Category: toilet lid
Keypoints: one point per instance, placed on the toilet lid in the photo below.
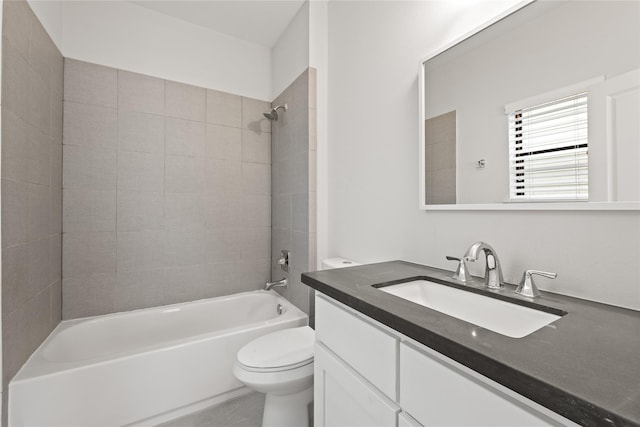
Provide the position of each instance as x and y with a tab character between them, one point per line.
279	349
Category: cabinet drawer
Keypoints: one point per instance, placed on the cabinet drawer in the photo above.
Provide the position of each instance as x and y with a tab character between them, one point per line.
343	398
369	350
437	392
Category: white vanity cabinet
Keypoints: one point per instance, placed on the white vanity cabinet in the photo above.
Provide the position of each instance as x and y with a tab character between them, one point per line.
367	374
437	391
355	378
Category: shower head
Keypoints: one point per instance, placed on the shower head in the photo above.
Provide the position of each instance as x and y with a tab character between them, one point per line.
273	114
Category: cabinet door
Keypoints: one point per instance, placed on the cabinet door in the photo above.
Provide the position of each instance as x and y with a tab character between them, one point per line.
370	351
342	398
438	393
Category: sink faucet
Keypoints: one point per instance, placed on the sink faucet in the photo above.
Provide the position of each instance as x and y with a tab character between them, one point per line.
493	272
280	283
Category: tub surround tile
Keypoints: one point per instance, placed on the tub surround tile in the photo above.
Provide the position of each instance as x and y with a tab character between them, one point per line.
55	293
300	293
185	101
56	165
224	143
256	147
301	212
282	212
223	211
224	178
254	275
139	289
140	132
17	30
89	210
39	102
184	174
88	83
223	245
55	213
235	276
224	108
179	188
86	254
32	114
15	69
15	147
38	266
252	115
182	284
185	137
140	211
89	168
15	292
90	125
15	327
38	211
138	171
41	48
137	92
55	258
88	295
293	186
184	212
140	250
256	179
256	211
184	248
15	208
57	113
256	243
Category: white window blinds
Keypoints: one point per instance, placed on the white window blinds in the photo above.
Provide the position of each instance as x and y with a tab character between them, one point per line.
548	152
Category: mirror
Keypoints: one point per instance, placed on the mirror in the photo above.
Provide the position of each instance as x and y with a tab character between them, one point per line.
541	51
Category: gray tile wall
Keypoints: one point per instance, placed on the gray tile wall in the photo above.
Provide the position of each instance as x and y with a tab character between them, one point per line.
32	87
166	192
294	187
440	159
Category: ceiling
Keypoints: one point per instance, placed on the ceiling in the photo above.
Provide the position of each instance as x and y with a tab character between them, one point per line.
255	21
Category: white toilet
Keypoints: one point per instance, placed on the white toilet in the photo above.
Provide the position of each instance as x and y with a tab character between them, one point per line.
280	364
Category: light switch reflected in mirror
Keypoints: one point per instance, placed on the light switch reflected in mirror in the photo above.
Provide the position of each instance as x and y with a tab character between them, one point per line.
542	49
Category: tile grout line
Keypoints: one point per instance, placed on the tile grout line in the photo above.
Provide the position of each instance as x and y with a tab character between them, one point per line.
115	289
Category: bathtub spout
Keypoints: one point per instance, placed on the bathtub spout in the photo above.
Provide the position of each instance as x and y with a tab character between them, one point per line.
280	283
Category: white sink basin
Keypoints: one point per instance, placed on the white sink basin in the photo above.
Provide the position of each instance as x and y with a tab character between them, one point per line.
499	316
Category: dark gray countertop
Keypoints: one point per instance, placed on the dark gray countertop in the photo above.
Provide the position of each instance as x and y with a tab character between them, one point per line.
584	366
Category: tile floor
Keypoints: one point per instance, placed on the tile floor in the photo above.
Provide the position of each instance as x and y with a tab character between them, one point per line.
245	411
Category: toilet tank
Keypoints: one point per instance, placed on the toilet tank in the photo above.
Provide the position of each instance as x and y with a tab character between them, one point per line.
337	262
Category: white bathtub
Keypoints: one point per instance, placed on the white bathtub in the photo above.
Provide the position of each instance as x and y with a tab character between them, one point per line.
145	366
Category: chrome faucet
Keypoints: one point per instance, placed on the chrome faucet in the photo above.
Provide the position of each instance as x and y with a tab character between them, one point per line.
527	286
493	272
462	273
278	284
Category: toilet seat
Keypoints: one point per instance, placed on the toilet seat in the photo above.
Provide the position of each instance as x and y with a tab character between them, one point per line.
282	350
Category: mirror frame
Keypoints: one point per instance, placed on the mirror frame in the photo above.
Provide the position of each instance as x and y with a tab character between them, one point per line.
524	206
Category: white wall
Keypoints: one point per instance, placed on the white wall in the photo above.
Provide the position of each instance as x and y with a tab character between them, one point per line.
318	59
374	52
130	37
290	55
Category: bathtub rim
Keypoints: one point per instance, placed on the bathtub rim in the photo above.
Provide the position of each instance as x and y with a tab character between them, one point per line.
38	366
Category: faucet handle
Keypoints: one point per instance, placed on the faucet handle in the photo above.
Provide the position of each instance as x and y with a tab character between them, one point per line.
527	286
461	273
